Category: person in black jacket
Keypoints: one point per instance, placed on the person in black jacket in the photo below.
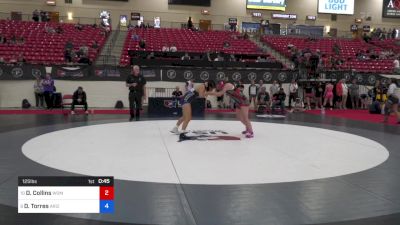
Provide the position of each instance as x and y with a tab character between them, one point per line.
137	91
79	98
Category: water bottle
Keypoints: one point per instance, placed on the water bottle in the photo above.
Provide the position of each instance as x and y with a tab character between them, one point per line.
322	110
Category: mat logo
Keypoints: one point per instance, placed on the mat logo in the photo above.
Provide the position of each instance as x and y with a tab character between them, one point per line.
204	75
17	72
172	104
252	76
359	78
282	77
220	76
36	73
371	79
236	76
207	135
188	75
267	76
171	74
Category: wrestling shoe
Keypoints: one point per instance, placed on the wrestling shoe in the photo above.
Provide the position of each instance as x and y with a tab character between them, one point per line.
244	132
249	135
175	130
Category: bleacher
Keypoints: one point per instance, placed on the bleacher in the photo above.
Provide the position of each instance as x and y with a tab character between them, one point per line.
348	51
188	41
47	48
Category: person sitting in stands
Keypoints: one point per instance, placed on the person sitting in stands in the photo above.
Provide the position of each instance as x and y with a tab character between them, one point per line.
173	48
263	99
21	60
79	98
279	100
186	56
165	48
142	44
69	45
95	45
135	37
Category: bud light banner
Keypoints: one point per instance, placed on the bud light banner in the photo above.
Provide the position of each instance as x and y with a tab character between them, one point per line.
345	7
391	8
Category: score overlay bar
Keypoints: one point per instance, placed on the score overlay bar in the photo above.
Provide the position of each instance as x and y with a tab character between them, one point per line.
65	194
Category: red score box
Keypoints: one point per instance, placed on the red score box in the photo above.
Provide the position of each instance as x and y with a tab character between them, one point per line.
106	193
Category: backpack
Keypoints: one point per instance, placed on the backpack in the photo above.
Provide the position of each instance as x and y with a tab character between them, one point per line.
119	104
375	108
26	104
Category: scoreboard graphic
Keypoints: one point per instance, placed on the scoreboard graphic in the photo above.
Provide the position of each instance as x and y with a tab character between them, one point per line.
65	195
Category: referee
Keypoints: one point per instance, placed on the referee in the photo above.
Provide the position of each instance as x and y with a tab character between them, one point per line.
136	84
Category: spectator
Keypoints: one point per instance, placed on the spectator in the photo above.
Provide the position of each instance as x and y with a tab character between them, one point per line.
293	88
274	88
49	29
186	56
308	93
336	49
319	91
13	39
151	56
328	95
165	48
177	93
48	90
38	89
232	58
69	45
68	55
253	89
345	93
78	26
396	66
263	97
21	60
298	105
226	44
95	45
219	58
260	84
392	104
59	29
173	48
207	56
279	100
354	94
142	44
339	94
190	23
364	100
79	98
13	59
135	37
394	33
35	15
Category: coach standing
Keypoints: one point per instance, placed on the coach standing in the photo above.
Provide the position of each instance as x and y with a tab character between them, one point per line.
136	84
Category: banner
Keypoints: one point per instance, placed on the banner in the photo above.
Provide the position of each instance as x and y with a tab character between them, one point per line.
345	7
176	74
25	72
279	5
245	76
391	9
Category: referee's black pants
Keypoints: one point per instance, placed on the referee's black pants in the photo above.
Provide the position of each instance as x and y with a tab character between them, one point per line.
135	104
